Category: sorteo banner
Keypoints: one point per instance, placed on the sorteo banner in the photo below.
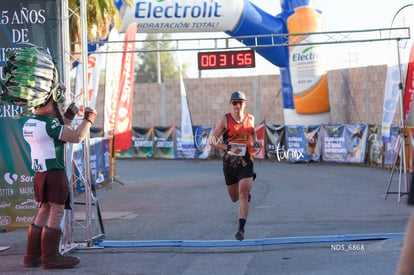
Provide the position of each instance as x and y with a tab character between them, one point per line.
184	15
123	122
39	23
164	142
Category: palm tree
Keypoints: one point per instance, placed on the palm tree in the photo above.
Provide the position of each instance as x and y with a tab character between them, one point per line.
101	14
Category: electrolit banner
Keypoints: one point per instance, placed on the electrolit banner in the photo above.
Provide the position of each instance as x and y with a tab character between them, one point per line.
307	69
302	71
184	16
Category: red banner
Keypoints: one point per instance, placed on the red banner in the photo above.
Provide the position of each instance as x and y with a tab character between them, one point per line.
409	86
123	123
260	132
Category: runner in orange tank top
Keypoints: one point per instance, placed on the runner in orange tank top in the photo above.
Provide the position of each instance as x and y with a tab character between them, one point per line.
233	134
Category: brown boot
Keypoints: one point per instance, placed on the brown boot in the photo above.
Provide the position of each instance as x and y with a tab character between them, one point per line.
33	255
51	257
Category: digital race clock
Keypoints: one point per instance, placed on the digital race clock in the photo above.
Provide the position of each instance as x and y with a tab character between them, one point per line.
226	60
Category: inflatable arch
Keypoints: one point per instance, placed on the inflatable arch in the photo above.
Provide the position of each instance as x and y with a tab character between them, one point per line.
304	83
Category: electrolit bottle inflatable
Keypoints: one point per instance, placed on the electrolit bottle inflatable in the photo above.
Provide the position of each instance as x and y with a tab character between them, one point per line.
307	68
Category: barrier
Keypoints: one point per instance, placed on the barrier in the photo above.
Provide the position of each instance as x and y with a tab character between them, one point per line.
251	242
335	143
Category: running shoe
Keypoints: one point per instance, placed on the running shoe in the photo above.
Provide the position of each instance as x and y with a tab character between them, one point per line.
239	235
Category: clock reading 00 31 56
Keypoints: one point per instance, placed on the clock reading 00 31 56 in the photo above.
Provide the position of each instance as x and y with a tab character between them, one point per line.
226	60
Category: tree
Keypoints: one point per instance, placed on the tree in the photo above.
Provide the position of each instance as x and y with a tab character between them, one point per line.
101	15
147	61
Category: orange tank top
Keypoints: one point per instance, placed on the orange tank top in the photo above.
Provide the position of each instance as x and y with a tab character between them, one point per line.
239	132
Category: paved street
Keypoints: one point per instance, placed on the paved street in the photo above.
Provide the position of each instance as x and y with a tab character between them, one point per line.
175	217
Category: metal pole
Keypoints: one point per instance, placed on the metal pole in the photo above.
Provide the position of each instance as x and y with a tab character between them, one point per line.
402	126
158	63
84	58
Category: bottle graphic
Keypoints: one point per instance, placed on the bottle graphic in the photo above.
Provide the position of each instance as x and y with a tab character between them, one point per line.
307	70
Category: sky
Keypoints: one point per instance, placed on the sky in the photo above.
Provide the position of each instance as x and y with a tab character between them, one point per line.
336	15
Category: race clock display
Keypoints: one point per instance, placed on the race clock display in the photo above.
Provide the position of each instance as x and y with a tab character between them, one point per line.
226	60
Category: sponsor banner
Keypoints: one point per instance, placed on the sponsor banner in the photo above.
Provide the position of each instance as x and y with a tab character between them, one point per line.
409	85
182	149
186	138
31	21
275	141
391	98
99	163
333	143
112	77
303	143
260	133
410	152
37	22
142	142
103	166
375	145
78	168
391	147
355	141
202	141
344	143
183	15
125	153
123	123
17	207
164	142
93	74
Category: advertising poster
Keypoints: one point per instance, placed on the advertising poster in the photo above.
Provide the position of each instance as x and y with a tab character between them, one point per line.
375	145
333	143
36	22
275	141
202	141
183	150
142	142
392	147
164	142
344	143
303	143
355	142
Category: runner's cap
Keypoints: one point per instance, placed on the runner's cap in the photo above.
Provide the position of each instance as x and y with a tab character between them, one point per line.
238	95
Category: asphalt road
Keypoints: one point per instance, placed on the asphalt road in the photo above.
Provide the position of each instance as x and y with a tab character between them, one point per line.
175	217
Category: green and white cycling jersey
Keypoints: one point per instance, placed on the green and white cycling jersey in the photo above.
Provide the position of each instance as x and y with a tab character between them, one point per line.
47	150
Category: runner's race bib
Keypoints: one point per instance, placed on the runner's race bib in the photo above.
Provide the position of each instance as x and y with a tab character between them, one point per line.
242	148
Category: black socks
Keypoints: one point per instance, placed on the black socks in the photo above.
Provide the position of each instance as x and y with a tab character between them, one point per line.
242	222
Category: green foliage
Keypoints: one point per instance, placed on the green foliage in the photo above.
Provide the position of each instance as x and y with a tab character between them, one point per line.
146	70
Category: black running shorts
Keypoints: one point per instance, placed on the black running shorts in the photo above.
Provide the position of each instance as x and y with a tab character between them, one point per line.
234	175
